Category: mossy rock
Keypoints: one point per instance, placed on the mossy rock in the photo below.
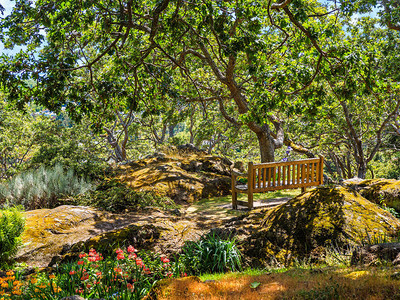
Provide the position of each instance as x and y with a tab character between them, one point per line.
143	237
322	217
380	191
183	176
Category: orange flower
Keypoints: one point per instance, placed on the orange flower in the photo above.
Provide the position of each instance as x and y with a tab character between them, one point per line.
52	276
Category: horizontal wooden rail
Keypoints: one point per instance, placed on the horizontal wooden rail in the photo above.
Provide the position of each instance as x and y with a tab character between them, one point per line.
278	176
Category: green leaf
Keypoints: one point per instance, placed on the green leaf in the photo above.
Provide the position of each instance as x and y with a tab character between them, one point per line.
255	284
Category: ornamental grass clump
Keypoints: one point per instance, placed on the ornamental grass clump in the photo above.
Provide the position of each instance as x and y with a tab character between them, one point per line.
211	254
41	188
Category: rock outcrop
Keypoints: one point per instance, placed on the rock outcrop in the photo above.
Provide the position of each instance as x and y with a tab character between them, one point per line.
184	175
380	191
323	217
61	233
376	254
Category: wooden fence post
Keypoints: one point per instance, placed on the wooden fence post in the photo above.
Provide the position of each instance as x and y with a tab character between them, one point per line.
250	185
321	170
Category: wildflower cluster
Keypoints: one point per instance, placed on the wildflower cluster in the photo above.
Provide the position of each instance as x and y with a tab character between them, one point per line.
129	275
9	286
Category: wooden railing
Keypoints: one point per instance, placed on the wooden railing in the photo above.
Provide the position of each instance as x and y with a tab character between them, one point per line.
278	176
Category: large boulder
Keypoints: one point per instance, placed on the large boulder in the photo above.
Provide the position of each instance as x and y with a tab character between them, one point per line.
184	175
380	191
61	233
320	218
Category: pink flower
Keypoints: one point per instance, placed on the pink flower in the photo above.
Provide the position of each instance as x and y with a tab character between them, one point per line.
164	260
131	249
132	255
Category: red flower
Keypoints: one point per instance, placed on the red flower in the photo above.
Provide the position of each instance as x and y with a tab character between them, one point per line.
98	273
81	262
164	260
130	286
72	272
132	255
119	251
82	255
139	262
131	249
85	277
120	256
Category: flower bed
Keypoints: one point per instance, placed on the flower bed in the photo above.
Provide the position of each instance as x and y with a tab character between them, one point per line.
126	275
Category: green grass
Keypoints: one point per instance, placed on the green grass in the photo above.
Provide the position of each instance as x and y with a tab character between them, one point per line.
214	201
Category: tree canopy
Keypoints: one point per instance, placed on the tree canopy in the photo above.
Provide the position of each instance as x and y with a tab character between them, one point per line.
261	65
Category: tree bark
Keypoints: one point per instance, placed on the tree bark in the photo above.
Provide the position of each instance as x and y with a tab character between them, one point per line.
267	147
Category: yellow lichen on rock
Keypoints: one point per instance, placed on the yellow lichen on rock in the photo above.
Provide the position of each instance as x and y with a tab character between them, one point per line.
181	176
322	217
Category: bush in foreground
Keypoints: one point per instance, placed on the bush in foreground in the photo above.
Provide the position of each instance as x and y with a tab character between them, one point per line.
11	227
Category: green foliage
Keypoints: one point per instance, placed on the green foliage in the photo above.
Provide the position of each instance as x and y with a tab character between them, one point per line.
11	227
117	197
211	254
73	147
43	187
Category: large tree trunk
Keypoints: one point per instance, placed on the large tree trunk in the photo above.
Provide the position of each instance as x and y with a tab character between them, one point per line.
267	147
362	170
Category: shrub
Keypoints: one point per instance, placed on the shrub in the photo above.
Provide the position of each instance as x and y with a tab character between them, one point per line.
117	197
42	187
211	254
11	227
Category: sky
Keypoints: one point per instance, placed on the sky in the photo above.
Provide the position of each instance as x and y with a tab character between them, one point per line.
8	5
